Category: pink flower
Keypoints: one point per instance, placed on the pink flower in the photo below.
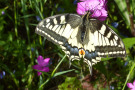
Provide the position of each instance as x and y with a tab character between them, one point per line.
42	65
97	8
131	86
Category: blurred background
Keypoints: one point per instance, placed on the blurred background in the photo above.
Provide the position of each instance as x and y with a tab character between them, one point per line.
20	46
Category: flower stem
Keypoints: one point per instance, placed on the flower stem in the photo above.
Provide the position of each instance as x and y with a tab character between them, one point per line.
131	70
57	66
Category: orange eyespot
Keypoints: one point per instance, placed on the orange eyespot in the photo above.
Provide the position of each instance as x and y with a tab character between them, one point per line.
81	52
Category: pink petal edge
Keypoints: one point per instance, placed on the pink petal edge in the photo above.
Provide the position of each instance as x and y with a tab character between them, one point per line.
47	60
130	85
134	83
40	59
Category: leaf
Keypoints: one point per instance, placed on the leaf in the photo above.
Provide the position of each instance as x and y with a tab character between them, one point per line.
2	43
71	83
128	42
60	73
123	10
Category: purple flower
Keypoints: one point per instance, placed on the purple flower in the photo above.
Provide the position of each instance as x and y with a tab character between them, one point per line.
2	74
75	2
115	24
32	49
126	63
112	87
131	86
38	18
97	8
2	12
59	9
42	65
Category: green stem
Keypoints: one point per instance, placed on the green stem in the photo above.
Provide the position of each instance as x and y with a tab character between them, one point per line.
57	66
15	17
128	76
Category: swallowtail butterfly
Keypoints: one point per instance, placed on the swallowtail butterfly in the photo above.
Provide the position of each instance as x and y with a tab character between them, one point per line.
82	37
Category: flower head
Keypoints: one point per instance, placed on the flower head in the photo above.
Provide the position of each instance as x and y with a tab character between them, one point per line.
97	8
115	24
112	87
2	74
59	9
42	65
131	86
75	2
32	49
38	18
2	12
126	63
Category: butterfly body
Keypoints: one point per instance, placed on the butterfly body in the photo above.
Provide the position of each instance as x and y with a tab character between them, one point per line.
82	37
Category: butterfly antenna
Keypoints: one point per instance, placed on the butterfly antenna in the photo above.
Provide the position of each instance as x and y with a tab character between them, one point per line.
89	63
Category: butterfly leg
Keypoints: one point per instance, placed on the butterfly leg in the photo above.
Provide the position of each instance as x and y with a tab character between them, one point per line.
70	61
89	65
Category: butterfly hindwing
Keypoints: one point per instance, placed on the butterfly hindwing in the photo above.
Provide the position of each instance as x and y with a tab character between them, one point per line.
102	42
106	41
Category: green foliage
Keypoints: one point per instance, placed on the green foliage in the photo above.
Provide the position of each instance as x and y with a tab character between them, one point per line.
123	10
128	43
20	47
71	83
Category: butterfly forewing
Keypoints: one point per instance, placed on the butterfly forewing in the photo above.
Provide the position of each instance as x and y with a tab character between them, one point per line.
58	28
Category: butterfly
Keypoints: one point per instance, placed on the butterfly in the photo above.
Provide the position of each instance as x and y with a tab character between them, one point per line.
82	37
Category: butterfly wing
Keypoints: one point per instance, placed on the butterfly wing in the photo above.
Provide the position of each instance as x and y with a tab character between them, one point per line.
61	30
106	41
101	41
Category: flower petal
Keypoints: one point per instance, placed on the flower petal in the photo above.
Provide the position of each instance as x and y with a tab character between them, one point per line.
134	83
45	62
80	8
92	4
40	59
130	85
45	69
103	15
37	67
96	13
39	73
